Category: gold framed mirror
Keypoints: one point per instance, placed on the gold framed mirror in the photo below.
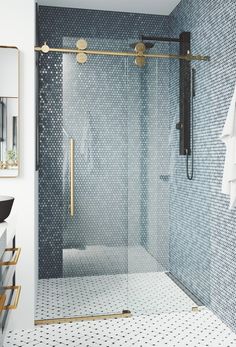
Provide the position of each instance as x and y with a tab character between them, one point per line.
9	111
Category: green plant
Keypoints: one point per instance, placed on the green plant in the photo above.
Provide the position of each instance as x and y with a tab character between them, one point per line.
11	155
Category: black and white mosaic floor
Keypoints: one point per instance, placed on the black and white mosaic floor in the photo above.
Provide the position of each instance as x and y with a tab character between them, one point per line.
180	329
141	293
161	310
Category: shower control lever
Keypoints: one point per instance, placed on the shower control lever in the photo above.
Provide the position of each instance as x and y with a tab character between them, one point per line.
179	126
165	178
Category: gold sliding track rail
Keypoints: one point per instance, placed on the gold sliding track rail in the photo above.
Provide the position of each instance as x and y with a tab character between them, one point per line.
125	314
46	49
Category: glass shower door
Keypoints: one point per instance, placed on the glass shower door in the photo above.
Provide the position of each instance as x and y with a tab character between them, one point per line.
153	99
95	176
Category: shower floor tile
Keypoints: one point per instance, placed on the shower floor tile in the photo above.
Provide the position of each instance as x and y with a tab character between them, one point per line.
179	329
141	293
102	260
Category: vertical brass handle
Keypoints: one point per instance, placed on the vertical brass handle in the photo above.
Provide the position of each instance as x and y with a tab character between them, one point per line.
72	207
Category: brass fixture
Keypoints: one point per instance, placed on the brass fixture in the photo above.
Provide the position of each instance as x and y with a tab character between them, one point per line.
139	61
14	260
124	314
81	58
140	49
17	290
72	142
81	44
45	48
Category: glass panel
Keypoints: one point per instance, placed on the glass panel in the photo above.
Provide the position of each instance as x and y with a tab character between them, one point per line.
158	237
189	224
95	256
132	242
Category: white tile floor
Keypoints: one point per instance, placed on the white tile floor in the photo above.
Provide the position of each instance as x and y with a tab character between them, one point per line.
93	285
141	293
145	294
184	329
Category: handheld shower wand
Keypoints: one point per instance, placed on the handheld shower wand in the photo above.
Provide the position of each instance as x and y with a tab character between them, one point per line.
193	93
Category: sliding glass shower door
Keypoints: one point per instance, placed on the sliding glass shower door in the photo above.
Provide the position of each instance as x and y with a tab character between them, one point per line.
153	152
107	186
95	183
91	275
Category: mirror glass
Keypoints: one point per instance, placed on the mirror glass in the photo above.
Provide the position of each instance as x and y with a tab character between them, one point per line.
9	111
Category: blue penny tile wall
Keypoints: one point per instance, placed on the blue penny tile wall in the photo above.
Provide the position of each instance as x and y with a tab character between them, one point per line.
202	228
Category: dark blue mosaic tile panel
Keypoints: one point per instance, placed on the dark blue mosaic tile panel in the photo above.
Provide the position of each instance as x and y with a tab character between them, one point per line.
202	228
110	220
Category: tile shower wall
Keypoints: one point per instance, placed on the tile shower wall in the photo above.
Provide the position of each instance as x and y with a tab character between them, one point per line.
203	239
60	27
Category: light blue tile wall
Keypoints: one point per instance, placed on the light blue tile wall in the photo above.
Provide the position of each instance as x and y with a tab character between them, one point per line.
203	229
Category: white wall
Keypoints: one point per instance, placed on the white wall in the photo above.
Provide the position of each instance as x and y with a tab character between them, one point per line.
17	28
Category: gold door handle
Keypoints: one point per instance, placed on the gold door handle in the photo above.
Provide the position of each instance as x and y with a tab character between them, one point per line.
17	290
14	259
72	145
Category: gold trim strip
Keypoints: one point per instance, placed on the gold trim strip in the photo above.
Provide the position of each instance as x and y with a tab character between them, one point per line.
81	319
188	57
13	306
72	207
14	261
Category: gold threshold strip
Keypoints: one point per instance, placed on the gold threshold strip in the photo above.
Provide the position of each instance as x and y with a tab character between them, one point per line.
126	314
